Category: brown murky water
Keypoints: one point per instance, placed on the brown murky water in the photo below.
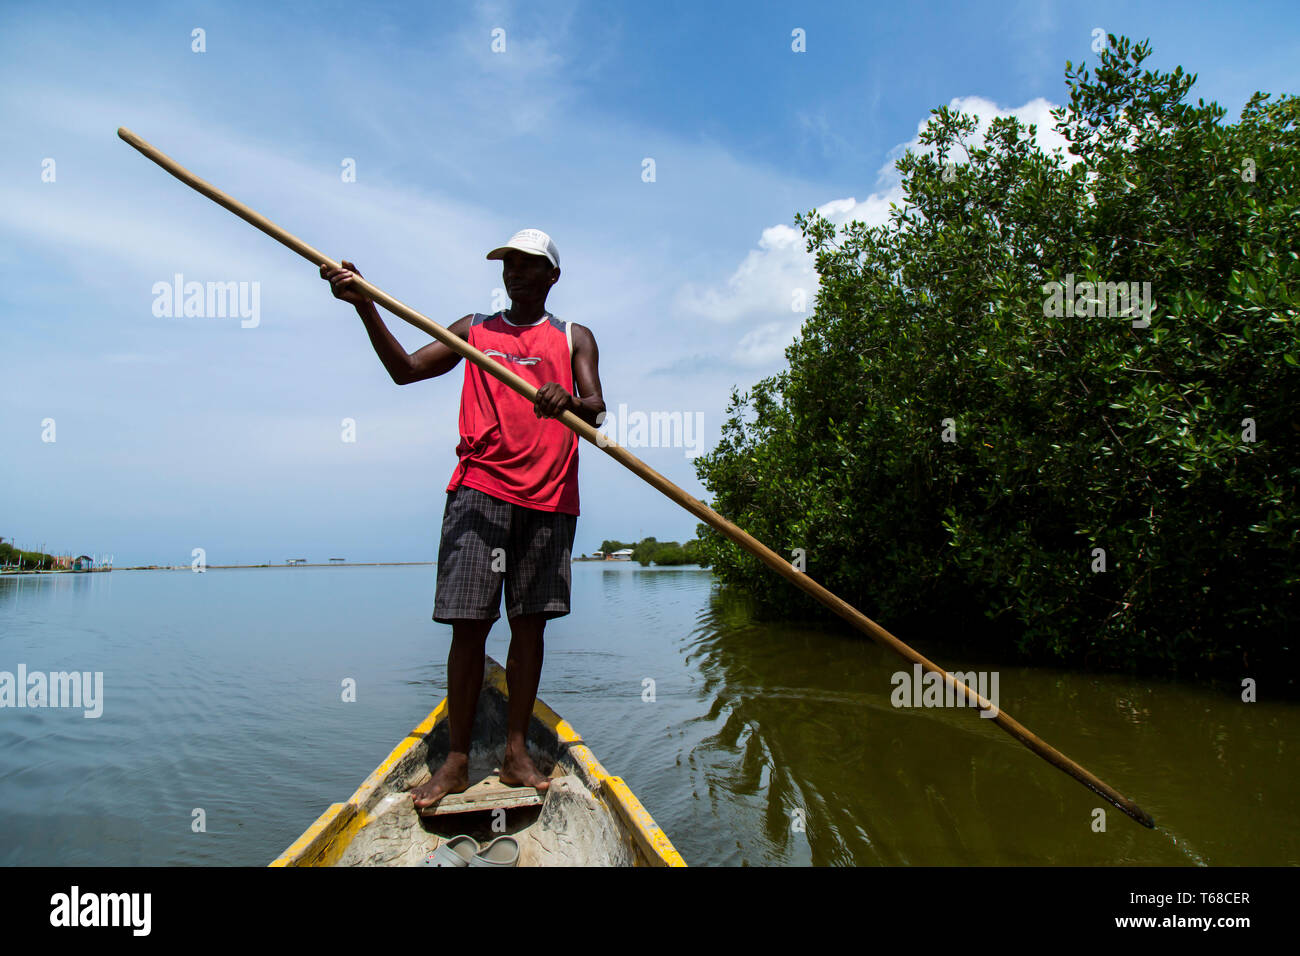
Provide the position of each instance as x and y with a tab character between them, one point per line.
799	724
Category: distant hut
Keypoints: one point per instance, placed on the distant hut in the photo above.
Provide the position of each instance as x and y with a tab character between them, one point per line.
83	562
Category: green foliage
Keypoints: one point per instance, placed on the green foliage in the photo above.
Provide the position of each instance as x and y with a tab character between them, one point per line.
28	560
1073	432
643	550
694	554
609	547
671	554
664	553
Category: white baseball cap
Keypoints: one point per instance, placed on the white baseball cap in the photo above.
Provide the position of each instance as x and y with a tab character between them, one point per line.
532	241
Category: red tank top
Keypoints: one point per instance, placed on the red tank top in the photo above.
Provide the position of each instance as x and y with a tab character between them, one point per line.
505	450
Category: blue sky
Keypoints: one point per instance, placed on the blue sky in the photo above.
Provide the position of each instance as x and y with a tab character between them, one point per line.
173	433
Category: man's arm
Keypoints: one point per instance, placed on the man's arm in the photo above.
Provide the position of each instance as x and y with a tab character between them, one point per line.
430	361
553	400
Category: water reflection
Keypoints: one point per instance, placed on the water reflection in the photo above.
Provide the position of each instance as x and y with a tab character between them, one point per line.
796	727
15	589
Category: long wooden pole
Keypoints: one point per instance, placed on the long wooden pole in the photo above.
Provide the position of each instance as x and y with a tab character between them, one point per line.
702	511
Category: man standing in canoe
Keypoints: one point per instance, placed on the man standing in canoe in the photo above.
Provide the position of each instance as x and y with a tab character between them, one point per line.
512	502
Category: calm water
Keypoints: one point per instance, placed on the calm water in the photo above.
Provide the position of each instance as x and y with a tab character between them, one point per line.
222	691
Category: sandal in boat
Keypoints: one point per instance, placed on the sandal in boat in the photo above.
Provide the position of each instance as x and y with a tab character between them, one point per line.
458	851
503	851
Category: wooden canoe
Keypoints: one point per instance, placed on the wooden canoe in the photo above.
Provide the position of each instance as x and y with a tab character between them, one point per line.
587	816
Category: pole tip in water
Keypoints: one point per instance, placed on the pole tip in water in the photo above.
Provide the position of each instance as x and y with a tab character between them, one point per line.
1141	816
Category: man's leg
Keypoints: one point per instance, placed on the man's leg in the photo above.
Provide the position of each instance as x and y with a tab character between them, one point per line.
464	678
467	598
523	672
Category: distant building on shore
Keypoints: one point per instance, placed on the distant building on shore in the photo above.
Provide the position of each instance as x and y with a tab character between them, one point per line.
83	562
623	555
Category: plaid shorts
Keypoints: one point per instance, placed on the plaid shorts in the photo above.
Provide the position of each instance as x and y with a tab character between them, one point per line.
533	561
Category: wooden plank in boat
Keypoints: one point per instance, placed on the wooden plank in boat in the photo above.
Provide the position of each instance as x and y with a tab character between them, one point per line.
488	794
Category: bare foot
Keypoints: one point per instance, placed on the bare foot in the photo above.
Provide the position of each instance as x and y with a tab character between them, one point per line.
518	770
451	777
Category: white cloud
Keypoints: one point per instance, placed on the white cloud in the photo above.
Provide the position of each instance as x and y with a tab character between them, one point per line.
764	282
1037	112
762	285
767	280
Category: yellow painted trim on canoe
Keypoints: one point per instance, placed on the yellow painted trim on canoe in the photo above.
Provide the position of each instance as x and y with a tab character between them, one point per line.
654	843
309	836
325	840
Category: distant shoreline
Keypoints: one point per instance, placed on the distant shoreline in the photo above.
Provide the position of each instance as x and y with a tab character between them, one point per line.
232	567
243	567
289	567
